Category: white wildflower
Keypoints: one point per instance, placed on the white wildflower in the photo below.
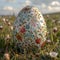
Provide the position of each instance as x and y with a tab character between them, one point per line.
53	54
1	27
53	20
55	29
59	22
46	53
9	23
3	19
7	56
48	41
47	16
6	20
11	27
7	36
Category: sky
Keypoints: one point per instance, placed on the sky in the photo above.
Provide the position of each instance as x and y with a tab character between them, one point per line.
14	6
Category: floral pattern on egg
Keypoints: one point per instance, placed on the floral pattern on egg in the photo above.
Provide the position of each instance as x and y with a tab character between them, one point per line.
30	26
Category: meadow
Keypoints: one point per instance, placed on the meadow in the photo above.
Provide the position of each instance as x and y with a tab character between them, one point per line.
49	51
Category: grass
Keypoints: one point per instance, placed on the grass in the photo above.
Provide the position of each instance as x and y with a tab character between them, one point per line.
52	44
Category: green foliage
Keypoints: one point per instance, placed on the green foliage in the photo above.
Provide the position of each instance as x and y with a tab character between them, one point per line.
32	53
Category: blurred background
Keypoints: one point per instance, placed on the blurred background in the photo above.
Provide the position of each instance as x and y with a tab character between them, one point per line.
8	7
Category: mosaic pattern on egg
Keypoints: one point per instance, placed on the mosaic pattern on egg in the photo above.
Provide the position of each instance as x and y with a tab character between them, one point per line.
30	26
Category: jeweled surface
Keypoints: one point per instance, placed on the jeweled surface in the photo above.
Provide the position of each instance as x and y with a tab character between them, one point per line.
30	27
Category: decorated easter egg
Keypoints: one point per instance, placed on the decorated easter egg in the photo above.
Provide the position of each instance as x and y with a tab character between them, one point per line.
30	27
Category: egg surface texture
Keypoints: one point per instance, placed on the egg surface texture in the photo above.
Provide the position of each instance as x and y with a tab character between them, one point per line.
30	27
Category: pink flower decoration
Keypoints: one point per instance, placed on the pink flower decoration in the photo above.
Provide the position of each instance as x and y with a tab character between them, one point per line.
22	30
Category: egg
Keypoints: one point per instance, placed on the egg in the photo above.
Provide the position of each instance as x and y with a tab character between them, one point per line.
30	27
